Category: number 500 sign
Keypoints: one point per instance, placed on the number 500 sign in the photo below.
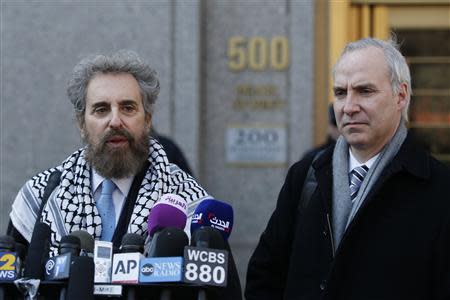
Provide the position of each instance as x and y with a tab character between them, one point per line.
258	53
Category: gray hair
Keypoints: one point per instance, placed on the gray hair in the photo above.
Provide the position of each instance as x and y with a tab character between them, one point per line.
123	61
398	68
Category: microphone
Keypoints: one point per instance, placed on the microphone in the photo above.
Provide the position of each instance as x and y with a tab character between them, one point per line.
215	214
126	264
169	242
86	242
206	260
38	252
164	261
208	237
58	267
8	259
70	244
132	242
7	243
9	263
169	211
81	279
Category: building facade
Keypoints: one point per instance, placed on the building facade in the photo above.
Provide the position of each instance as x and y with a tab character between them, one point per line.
245	84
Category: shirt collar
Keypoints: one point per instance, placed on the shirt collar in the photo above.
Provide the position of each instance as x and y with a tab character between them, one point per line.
353	162
123	184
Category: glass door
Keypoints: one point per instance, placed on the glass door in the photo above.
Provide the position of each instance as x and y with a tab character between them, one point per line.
424	36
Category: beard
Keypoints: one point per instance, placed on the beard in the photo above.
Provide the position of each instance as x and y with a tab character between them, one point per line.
117	162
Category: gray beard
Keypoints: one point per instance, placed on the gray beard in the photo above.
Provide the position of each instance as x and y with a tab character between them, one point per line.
118	163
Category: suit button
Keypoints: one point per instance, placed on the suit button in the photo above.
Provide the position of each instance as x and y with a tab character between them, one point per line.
325	232
323	285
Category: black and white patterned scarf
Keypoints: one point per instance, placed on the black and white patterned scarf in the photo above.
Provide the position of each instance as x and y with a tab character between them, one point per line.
71	206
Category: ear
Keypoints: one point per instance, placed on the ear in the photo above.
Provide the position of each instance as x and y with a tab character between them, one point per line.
81	126
402	96
148	121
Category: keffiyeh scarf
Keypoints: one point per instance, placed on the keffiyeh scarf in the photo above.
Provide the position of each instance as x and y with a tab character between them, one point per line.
71	205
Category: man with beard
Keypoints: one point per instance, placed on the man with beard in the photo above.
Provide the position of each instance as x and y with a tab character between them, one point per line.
109	187
113	97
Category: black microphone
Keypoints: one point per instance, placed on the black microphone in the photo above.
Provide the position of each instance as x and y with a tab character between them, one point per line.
132	242
58	267
38	251
208	237
70	244
207	252
86	242
9	270
165	260
168	243
7	243
81	279
126	264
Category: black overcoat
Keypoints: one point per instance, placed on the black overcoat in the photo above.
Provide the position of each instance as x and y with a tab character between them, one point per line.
396	247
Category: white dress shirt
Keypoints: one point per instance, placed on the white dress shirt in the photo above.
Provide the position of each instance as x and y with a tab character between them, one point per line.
353	162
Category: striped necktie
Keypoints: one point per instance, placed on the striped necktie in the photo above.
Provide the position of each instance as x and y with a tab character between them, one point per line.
105	206
356	178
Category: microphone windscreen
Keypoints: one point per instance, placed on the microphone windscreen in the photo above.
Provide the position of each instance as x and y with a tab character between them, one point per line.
7	243
38	252
81	279
132	242
86	240
208	237
169	211
70	244
168	242
213	213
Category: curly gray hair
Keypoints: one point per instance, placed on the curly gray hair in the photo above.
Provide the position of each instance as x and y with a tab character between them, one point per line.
123	61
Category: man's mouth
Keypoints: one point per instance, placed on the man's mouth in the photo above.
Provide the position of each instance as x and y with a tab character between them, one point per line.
117	141
354	123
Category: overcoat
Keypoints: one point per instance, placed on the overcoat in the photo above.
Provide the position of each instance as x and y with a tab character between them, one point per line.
396	247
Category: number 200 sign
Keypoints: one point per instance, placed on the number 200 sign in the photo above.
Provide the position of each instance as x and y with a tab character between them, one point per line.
258	53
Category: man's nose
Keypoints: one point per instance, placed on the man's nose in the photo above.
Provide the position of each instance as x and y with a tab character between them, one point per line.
351	104
116	120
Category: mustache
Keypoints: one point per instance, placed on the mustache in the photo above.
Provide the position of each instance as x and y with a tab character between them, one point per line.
117	132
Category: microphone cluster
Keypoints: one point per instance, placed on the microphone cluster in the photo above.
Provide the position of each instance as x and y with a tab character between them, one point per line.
166	257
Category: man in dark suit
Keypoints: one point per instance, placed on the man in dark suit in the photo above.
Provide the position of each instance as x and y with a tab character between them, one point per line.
368	218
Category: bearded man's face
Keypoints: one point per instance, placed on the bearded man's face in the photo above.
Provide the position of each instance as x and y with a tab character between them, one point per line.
115	126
